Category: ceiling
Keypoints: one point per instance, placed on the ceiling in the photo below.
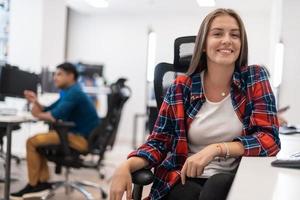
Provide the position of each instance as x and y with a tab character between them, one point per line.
166	7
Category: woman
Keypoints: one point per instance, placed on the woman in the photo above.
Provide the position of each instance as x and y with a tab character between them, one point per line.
221	110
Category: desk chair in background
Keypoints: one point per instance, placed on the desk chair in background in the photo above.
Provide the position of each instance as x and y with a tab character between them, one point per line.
164	75
2	153
101	139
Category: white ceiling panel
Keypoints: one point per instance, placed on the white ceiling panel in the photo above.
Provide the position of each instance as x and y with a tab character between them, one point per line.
166	7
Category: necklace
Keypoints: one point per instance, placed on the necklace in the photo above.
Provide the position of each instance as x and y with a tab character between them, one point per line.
223	94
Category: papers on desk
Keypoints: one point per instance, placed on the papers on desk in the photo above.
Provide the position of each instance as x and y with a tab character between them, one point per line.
8	111
20	117
287	130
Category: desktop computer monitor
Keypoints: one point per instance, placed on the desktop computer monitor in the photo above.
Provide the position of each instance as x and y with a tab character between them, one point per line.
47	83
13	81
90	70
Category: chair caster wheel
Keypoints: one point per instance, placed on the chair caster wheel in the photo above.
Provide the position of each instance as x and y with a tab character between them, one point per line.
103	195
102	176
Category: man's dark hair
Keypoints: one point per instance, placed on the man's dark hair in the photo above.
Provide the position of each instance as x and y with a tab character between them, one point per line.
69	68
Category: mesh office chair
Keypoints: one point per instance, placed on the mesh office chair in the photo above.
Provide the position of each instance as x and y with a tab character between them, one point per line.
164	75
101	139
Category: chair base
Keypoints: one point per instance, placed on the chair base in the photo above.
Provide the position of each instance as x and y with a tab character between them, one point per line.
75	185
2	170
14	157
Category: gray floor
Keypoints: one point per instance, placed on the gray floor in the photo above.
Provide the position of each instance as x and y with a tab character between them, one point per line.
19	172
113	158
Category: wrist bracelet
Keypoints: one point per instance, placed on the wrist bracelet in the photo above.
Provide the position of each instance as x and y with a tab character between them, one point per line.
227	155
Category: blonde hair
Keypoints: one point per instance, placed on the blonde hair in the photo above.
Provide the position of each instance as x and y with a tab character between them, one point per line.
198	62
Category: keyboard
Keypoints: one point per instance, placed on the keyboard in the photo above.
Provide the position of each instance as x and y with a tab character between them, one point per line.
286	163
292	161
288	130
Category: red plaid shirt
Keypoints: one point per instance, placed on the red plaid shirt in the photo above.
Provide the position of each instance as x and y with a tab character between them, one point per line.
166	149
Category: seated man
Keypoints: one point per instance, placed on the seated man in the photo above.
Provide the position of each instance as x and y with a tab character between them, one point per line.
73	105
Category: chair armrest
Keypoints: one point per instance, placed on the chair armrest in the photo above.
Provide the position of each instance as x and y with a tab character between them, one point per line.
142	177
62	128
62	124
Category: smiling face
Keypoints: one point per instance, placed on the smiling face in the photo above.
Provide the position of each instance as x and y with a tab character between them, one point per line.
223	41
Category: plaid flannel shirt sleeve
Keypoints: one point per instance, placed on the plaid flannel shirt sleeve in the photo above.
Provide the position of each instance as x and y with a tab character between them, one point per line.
159	141
262	137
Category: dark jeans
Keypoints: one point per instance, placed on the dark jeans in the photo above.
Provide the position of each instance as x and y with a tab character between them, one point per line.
214	188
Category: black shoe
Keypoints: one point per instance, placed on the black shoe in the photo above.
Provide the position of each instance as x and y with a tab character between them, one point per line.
40	189
19	195
44	185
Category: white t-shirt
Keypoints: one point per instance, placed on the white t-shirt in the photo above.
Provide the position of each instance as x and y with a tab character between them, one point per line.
216	122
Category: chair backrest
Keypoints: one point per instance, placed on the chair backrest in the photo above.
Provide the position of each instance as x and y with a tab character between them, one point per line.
104	135
163	77
165	73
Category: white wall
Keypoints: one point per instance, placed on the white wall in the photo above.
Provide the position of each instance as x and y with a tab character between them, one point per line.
53	33
120	43
289	90
25	33
275	28
37	33
258	32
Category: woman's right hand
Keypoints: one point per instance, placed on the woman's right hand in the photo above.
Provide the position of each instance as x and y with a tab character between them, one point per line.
121	182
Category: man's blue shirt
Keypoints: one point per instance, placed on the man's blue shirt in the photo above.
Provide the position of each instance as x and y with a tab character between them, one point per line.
74	105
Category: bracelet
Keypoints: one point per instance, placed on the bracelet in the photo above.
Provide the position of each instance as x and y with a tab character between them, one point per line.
227	155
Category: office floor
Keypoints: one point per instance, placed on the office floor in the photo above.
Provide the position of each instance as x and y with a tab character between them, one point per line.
112	159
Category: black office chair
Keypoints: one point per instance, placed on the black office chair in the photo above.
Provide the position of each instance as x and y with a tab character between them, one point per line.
164	75
101	139
2	135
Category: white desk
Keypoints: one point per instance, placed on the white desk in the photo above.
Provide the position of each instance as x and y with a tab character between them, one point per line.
256	179
10	122
16	118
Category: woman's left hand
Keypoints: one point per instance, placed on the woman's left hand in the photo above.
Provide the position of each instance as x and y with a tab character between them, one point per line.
194	165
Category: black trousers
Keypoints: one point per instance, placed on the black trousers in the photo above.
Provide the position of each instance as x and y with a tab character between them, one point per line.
215	187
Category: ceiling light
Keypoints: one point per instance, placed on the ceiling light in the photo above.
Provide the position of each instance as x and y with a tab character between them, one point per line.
206	3
98	3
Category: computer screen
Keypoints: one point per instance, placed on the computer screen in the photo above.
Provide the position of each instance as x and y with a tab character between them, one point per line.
13	81
89	70
47	83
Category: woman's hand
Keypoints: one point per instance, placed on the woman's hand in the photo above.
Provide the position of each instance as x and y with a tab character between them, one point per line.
121	182
195	164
